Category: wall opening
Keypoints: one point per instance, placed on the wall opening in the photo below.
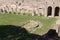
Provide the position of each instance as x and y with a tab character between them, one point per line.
56	11
49	13
1	10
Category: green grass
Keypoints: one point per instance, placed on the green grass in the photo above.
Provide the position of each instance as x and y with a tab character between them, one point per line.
13	19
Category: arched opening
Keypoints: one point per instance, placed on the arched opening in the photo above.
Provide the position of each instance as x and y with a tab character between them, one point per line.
1	10
56	11
5	11
49	13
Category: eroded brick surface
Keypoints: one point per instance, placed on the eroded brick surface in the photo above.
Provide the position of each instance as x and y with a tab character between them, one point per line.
39	7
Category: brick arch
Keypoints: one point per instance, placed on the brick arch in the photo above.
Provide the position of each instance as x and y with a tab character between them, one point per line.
49	11
1	10
56	12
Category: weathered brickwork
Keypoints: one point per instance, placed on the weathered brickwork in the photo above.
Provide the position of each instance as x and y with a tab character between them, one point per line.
50	8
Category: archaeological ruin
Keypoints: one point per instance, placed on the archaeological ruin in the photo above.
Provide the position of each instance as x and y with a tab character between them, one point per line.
47	8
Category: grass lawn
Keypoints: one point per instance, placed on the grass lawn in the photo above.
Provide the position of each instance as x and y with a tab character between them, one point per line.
13	19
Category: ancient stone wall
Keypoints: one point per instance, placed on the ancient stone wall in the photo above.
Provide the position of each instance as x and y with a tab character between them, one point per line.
39	7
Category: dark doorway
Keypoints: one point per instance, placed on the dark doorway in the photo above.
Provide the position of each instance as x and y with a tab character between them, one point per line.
1	10
56	11
49	11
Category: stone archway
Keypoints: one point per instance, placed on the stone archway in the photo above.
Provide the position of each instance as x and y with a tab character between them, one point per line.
56	11
49	12
1	10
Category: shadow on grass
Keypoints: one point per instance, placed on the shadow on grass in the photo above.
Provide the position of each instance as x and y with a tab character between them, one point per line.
11	32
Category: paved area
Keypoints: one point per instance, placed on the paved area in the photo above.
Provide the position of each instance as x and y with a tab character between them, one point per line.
30	25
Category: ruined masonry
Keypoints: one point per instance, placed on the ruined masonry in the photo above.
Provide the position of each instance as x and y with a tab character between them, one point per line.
47	8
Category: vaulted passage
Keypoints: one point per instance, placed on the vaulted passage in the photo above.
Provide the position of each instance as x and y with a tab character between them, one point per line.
49	13
56	11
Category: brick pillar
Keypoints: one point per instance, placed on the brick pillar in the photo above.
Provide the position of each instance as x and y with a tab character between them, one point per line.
59	13
53	11
45	12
